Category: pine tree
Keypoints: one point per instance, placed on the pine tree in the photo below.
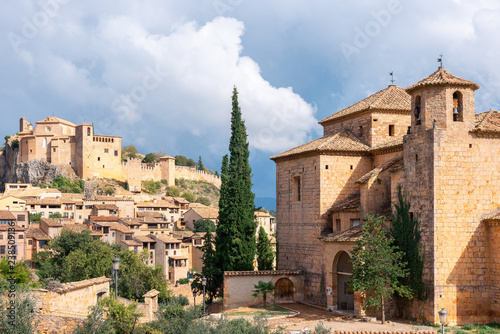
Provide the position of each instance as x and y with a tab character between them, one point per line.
210	268
235	241
406	235
265	254
200	164
377	265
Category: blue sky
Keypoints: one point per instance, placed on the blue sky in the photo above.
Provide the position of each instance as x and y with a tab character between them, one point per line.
160	73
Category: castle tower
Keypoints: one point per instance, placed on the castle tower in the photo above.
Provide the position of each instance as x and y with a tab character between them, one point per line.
167	165
84	136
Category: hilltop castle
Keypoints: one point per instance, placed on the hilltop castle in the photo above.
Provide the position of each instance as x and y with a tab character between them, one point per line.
428	139
60	142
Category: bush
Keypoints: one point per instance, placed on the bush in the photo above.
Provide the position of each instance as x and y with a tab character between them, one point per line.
66	185
183	281
180	300
15	144
203	200
151	187
190	197
173	191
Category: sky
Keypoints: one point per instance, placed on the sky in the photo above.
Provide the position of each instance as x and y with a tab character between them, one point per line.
160	73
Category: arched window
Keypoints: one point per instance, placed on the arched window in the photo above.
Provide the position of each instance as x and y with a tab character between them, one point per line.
417	110
44	142
88	131
457	107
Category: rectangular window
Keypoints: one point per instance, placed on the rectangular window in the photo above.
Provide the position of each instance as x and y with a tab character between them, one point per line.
116	153
98	158
106	150
30	242
354	222
298	194
21	236
2	249
391	130
337	225
21	218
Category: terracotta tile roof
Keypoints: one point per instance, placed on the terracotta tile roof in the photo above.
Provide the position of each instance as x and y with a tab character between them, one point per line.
44	201
120	227
157	204
66	287
488	122
352	202
7	215
144	238
52	222
103	219
182	234
131	243
76	227
131	221
350	235
380	168
344	141
261	214
32	192
390	143
167	239
111	198
74	197
5	227
181	200
442	77
392	98
178	257
106	207
149	214
36	233
198	205
207	213
53	119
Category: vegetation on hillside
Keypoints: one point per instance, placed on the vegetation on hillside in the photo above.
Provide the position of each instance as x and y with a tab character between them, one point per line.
203	192
66	185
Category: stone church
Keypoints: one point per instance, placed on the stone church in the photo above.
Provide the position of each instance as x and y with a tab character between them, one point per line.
428	139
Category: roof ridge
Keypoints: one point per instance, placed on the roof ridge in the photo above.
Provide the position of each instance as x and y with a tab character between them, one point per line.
485	119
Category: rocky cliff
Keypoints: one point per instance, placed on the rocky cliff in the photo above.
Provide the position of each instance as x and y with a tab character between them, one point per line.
35	172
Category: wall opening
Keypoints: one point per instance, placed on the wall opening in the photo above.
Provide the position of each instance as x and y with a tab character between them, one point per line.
417	109
391	130
284	291
343	271
457	107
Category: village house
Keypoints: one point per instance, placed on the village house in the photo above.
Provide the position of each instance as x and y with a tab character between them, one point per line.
169	255
265	220
16	206
168	210
9	230
200	212
429	140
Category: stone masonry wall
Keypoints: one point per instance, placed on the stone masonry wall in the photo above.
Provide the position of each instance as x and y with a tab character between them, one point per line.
50	324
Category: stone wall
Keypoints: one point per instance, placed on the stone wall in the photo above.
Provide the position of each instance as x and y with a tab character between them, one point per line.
190	173
238	286
51	324
72	299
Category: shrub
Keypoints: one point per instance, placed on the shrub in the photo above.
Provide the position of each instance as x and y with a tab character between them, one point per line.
203	200
183	281
190	197
151	187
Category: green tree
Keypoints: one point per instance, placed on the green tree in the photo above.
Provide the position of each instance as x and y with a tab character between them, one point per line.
66	185
123	318
35	217
377	266
95	323
22	320
203	200
173	191
265	254
236	229
202	225
210	270
150	158
129	152
199	165
263	288
56	215
20	273
151	186
190	197
406	233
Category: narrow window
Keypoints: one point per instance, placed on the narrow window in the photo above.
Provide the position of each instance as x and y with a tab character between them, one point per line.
116	153
457	107
298	195
326	166
88	131
391	130
98	158
411	216
337	225
361	131
351	167
417	110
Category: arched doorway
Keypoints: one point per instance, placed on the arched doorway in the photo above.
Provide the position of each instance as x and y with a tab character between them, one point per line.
284	291
345	295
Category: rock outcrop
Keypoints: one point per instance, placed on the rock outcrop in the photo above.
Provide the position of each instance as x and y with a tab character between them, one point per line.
35	172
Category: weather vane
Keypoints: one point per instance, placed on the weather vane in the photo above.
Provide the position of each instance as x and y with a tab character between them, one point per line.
440	60
392	78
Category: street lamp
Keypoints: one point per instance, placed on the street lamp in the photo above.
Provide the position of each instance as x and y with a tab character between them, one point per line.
442	318
114	269
204	283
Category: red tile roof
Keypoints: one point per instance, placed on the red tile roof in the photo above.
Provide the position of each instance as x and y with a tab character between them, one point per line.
442	77
344	141
103	219
52	222
488	122
207	212
392	98
6	215
36	233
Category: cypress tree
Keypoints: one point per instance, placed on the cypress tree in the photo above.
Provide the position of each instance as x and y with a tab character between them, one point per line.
406	233
200	164
235	240
265	254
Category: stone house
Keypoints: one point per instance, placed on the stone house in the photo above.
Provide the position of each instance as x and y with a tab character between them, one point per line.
428	139
265	220
169	255
16	206
110	210
148	242
169	211
200	212
11	237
